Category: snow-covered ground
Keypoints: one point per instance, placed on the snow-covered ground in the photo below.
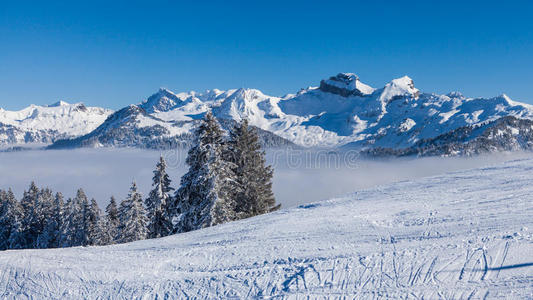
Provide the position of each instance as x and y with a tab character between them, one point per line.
461	235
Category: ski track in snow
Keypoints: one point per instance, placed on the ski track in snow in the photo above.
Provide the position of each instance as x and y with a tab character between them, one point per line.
461	235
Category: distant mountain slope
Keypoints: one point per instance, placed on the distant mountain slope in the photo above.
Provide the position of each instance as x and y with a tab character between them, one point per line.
462	235
342	111
46	124
134	127
504	134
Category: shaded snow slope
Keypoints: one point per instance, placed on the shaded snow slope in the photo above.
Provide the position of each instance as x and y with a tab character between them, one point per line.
462	235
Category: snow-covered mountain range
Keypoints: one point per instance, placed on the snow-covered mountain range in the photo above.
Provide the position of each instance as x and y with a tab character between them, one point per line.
46	124
397	119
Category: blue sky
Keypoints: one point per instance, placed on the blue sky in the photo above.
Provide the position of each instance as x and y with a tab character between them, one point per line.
115	54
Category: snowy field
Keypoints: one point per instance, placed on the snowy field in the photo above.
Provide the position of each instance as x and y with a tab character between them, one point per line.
300	176
461	235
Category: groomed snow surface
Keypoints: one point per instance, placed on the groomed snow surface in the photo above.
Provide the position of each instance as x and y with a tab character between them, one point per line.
462	235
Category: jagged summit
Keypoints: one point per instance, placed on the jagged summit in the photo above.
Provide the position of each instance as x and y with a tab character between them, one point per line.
346	85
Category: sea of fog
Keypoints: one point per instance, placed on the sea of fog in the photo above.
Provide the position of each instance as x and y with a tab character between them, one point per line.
300	176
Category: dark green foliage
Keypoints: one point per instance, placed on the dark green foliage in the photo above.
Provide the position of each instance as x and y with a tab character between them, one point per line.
254	195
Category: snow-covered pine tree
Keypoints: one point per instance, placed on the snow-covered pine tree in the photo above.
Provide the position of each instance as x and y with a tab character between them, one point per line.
5	221
45	200
205	197
110	224
16	238
30	222
157	203
10	215
74	229
50	238
65	234
254	195
93	225
132	217
81	232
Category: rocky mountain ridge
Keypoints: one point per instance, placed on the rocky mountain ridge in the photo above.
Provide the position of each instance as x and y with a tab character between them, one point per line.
341	112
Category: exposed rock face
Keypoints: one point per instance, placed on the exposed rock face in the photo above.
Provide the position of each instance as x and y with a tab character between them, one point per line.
346	85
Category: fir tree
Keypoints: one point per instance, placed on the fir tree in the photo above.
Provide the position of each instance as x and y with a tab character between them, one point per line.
30	222
51	236
205	196
254	195
110	224
132	217
69	216
93	226
10	215
45	201
74	229
157	203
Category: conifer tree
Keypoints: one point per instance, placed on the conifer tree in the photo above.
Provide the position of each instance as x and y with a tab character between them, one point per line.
69	214
92	223
157	203
10	215
254	195
205	196
74	229
109	224
45	202
51	236
31	219
132	217
5	221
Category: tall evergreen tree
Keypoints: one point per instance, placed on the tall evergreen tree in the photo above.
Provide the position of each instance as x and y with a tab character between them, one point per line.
110	224
10	215
158	201
132	217
254	195
51	236
74	229
45	201
31	219
205	196
69	218
93	226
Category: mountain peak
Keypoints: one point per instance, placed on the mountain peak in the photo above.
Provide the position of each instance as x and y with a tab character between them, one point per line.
163	100
59	103
399	87
346	85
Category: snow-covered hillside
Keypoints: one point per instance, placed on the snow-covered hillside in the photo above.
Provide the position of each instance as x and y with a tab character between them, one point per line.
46	124
462	235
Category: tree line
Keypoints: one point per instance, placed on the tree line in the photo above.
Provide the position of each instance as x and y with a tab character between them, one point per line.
227	180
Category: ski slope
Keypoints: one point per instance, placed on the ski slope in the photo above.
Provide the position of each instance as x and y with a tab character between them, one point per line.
461	235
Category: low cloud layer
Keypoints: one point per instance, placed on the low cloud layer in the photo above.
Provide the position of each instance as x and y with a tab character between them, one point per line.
299	177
